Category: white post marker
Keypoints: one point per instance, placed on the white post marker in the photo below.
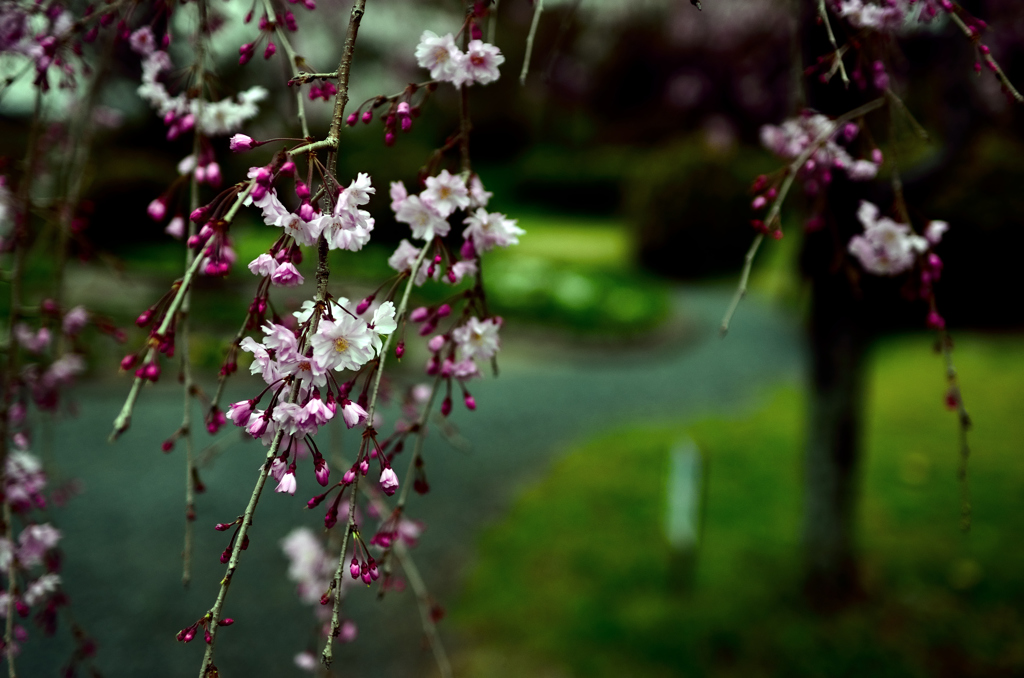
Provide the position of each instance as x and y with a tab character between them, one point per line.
684	496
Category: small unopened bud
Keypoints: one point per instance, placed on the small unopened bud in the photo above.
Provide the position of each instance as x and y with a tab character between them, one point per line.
446	407
368	117
349	477
364	304
443	311
936	321
400	350
389	138
364	467
420	314
352	119
270	49
167	445
226	622
354	569
220	527
151	371
157	209
225	556
128	361
470	402
241	142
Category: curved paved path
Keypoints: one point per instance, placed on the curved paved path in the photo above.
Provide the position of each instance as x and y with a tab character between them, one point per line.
123	532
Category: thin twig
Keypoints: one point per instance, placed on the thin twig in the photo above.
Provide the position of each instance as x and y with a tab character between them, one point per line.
787	183
538	7
21	243
124	417
918	128
292	62
837	55
12	592
417	451
992	63
184	328
492	25
412	573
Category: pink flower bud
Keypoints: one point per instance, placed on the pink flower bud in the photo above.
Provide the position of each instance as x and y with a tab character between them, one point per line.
388	481
436	343
157	209
420	314
364	467
322	472
443	310
167	445
389	138
353	569
400	350
288	168
144	318
226	622
241	142
446	407
936	321
128	361
349	477
352	119
368	117
364	304
470	402
151	371
759	202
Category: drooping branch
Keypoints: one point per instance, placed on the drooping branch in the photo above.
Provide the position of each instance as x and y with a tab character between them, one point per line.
123	419
773	213
327	657
538	8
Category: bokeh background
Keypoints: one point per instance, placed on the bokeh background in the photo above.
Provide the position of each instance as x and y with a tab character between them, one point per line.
627	157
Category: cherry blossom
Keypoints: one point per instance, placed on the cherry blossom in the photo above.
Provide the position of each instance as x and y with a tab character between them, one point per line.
440	55
445	193
886	248
482	61
488	231
423	218
342	344
477	339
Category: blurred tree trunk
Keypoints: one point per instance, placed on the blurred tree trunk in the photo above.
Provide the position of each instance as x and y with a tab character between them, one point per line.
838	338
838	341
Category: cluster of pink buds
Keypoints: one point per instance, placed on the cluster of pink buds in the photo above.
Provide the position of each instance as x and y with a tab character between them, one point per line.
325	91
816	134
399	112
187	634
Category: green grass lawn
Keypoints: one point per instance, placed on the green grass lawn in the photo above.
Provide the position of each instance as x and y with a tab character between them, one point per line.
579	579
576	273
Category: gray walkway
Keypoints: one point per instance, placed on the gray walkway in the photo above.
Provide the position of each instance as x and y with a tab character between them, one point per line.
124	531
